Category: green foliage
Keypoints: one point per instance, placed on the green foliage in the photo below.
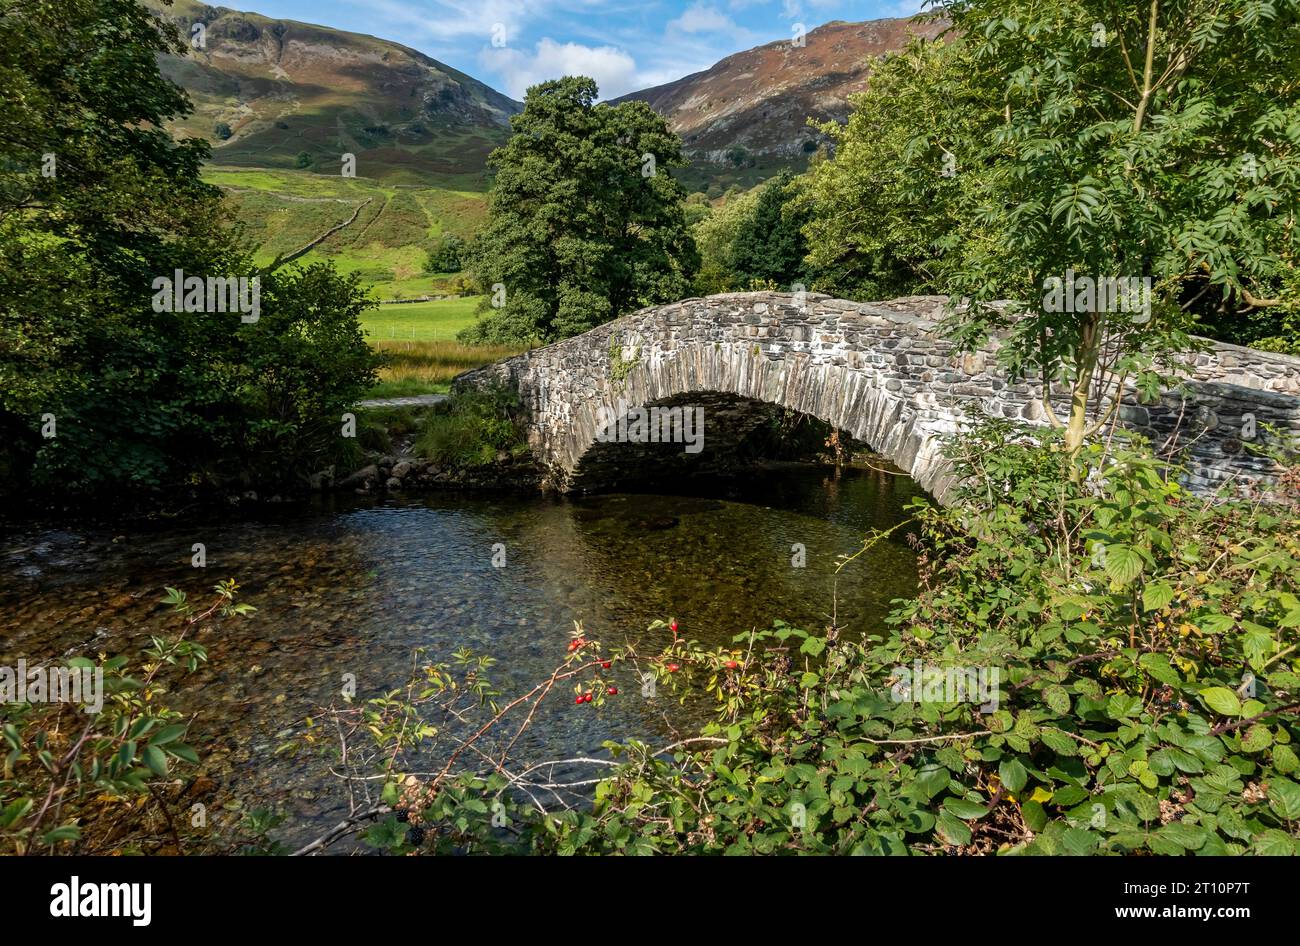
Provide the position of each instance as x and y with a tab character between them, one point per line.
1145	699
579	231
72	780
222	130
1146	644
754	238
472	427
878	209
141	398
447	256
1166	146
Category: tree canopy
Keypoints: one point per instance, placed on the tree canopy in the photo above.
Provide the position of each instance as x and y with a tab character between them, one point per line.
585	222
1090	137
98	388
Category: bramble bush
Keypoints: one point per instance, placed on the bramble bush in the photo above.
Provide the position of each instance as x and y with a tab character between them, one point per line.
1146	648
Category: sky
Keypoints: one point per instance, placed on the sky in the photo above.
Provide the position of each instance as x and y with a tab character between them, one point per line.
625	45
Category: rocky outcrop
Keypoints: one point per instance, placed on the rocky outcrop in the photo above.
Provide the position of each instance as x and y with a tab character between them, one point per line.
882	372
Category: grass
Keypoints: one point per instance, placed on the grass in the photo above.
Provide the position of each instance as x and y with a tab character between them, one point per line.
436	321
427	367
283	211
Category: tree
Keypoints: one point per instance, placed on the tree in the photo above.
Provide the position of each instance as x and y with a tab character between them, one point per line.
768	245
447	256
585	222
99	389
222	130
877	211
715	236
1094	139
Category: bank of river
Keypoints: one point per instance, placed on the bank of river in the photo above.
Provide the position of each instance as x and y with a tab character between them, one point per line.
354	585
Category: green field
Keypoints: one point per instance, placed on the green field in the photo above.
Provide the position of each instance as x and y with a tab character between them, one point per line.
419	341
284	211
437	321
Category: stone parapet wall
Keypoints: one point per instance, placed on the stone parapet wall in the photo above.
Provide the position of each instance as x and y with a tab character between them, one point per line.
880	371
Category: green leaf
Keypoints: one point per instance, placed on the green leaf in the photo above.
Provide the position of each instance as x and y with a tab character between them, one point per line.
1059	742
1123	564
1257	738
1156	595
1160	669
1284	798
168	734
1222	700
64	832
952	830
1123	706
1273	843
1055	696
1013	774
155	760
390	794
14	810
965	809
813	646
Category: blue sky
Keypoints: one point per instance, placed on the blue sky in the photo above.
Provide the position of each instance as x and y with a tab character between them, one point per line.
624	44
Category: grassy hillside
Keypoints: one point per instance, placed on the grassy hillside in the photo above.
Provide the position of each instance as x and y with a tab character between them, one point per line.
386	243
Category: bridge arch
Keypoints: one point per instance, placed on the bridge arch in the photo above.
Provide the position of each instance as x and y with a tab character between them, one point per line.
880	371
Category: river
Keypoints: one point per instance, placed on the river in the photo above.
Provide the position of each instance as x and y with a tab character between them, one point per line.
353	586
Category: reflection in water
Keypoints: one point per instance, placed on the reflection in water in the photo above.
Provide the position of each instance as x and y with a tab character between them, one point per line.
354	586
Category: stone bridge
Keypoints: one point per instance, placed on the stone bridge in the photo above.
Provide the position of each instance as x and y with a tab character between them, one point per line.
882	372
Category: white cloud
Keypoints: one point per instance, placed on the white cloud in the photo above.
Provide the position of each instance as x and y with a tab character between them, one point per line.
702	19
456	19
613	69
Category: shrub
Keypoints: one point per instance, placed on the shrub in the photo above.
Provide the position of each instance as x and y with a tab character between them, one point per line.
1145	643
447	256
1146	646
472	428
75	781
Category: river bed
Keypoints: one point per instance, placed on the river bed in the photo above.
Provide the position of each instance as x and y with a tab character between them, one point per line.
354	585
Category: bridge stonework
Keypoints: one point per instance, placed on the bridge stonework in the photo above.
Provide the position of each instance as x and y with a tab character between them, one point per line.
880	371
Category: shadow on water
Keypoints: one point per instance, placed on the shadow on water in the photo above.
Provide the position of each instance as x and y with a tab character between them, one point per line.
354	586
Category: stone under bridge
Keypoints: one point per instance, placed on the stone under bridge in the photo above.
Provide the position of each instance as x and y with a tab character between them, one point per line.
881	372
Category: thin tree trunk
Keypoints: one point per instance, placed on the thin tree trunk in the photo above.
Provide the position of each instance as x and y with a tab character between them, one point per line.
1086	366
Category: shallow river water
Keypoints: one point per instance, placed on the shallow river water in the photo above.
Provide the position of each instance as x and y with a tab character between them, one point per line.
353	586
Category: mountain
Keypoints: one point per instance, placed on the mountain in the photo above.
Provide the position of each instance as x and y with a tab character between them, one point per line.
284	88
750	109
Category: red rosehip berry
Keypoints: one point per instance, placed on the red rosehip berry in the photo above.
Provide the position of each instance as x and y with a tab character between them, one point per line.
673	627
613	691
604	664
586	698
578	698
731	665
673	668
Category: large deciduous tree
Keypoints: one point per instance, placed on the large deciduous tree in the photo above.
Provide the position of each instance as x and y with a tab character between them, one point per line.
99	390
585	221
